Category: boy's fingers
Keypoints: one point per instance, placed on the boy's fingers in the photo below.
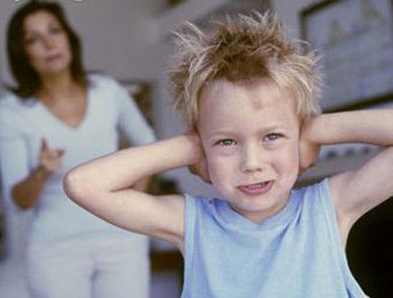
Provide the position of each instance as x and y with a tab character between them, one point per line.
200	170
205	173
192	170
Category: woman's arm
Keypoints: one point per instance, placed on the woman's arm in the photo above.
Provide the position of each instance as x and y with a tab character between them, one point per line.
19	183
26	193
355	192
102	187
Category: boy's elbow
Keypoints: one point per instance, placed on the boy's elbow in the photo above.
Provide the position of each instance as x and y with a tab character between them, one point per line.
74	186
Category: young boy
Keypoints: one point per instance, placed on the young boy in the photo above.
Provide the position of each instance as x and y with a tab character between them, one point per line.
250	96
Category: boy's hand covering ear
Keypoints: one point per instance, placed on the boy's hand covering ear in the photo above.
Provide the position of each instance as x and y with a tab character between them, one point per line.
199	168
308	150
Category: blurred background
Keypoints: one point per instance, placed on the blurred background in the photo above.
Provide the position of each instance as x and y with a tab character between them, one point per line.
131	41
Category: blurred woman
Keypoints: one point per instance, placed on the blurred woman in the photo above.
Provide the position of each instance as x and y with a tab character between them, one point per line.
55	118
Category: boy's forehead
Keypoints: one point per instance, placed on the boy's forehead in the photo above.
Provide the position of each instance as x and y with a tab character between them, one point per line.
260	91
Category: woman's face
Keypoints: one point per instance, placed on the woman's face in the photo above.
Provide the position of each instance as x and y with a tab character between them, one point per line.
46	44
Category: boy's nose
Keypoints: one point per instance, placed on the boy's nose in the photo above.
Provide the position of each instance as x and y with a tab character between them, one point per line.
251	158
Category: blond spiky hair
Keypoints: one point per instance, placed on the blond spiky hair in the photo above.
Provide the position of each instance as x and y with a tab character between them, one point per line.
242	48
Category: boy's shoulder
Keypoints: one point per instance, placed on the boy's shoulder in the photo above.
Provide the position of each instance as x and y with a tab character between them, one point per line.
316	200
199	206
320	188
202	201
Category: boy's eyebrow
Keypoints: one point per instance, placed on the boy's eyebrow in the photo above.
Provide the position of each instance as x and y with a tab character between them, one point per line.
229	132
275	127
213	134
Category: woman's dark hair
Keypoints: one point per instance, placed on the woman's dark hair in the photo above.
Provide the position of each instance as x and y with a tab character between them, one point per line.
27	78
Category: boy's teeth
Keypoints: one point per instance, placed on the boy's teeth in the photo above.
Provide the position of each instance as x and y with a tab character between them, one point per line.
257	185
256	188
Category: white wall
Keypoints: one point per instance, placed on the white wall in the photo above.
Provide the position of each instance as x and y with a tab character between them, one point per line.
6	7
289	11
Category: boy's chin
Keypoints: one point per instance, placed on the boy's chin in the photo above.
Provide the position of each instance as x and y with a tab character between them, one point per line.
259	207
258	215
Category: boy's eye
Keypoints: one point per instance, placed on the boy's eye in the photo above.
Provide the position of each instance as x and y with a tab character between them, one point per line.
226	142
272	137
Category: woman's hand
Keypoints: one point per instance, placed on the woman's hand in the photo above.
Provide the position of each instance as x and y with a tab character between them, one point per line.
199	168
49	160
26	193
308	150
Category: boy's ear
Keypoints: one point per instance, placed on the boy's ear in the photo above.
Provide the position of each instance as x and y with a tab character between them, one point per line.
308	150
200	168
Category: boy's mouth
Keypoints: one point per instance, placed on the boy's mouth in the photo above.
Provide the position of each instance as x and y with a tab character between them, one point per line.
256	188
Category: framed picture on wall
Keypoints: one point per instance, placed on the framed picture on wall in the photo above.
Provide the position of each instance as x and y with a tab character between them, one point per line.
355	40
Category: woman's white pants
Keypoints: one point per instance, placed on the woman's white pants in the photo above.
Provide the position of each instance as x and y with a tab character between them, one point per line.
89	267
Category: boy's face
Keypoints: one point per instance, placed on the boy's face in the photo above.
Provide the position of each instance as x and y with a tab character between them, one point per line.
250	134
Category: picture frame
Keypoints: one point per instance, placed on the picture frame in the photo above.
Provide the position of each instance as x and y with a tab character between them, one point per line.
355	41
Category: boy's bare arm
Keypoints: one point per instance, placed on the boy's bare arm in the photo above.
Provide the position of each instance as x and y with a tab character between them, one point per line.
102	186
355	192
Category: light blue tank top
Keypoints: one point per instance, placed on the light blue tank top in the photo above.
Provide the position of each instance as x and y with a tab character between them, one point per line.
297	253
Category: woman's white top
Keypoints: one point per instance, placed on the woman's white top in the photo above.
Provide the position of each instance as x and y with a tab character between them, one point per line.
23	124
